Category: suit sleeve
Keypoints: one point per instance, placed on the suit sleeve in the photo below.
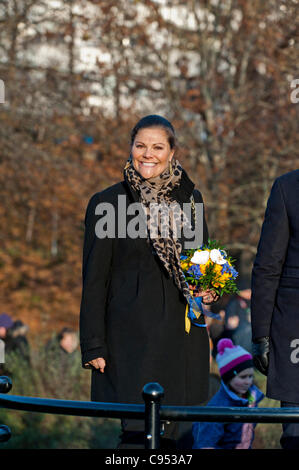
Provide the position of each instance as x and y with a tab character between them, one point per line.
269	262
96	266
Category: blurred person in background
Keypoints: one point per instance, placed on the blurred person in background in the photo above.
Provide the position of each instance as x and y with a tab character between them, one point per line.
63	343
237	324
16	340
216	331
6	322
68	340
16	345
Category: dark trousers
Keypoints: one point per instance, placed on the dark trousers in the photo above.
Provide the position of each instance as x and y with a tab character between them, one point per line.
290	435
173	436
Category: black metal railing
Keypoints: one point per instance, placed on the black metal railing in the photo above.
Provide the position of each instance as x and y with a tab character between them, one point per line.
152	412
5	387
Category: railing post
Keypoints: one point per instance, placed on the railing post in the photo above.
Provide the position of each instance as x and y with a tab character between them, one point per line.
5	387
5	384
152	394
5	433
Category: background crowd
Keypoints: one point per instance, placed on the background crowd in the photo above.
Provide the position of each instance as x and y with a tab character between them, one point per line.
61	346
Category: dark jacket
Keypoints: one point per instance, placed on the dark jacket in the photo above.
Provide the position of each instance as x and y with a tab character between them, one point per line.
275	288
133	315
227	435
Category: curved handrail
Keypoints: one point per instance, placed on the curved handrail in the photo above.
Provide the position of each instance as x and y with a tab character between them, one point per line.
72	407
229	414
151	411
137	411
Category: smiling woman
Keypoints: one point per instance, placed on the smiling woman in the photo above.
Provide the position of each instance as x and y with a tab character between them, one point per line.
151	152
132	319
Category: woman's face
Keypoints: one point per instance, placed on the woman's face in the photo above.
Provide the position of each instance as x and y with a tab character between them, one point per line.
151	152
242	381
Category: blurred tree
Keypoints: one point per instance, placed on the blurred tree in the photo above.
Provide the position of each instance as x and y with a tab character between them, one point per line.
79	73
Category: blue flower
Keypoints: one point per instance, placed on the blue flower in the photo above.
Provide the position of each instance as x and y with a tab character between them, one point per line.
195	271
234	273
226	268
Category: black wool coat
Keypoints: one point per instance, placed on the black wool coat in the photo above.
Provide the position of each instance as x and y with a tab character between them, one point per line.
133	315
275	288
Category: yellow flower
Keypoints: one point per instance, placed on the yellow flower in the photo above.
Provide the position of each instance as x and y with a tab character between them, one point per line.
203	267
184	265
225	276
221	280
218	268
218	283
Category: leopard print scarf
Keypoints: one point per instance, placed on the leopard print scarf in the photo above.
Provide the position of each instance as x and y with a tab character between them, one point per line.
157	190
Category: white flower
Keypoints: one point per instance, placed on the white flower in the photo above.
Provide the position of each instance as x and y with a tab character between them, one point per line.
200	257
217	257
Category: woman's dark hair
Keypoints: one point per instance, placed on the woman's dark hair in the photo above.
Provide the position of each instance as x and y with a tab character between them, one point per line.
154	120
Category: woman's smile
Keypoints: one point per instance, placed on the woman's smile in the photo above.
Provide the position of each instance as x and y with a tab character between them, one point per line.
151	152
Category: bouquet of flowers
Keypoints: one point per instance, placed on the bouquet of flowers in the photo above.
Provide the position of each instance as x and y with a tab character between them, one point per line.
207	267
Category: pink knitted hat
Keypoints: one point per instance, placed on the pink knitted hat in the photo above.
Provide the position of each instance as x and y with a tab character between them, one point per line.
231	359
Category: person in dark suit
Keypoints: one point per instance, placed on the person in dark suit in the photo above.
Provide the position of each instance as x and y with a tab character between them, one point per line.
275	299
132	317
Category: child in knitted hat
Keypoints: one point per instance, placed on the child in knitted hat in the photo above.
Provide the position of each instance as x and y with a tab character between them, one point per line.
237	389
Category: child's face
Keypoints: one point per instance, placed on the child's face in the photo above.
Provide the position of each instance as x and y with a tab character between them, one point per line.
241	383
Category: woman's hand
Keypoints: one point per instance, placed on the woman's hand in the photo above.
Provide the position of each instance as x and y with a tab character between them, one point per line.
208	296
98	363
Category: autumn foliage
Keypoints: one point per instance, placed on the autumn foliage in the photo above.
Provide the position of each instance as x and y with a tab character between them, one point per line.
79	74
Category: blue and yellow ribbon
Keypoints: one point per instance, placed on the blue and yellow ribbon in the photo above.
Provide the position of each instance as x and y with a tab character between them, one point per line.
193	311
